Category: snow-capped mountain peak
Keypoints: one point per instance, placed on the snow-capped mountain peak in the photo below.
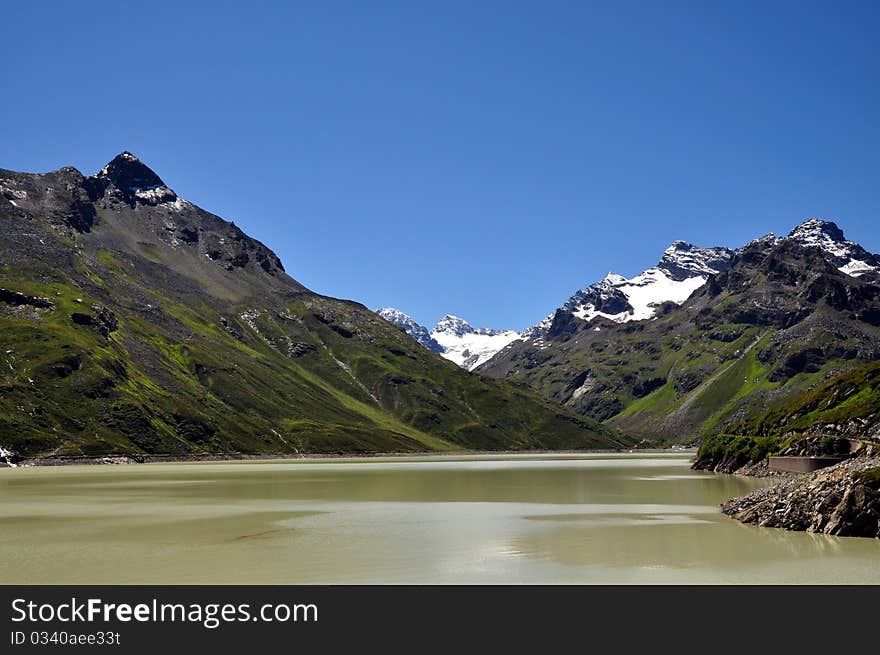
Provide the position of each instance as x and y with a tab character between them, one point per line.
136	182
396	316
815	231
453	337
415	330
453	325
468	346
683	268
848	256
683	260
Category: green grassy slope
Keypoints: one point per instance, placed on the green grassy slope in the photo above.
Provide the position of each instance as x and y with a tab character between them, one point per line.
848	404
819	421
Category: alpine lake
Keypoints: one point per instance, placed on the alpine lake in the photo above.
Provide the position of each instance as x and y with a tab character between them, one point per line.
554	519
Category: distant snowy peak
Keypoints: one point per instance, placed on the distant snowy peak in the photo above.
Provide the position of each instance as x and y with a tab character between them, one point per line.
452	326
453	337
683	268
418	332
848	256
468	346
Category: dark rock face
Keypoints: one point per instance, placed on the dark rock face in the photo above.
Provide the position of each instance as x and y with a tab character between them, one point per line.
842	500
603	296
61	197
301	349
129	179
564	324
102	321
127	172
644	387
189	235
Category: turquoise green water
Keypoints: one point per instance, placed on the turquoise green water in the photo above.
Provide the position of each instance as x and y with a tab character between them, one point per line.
487	519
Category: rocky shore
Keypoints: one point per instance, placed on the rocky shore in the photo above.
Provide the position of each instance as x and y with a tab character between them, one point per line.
842	500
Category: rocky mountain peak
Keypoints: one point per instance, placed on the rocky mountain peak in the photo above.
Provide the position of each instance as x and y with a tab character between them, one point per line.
134	181
683	260
848	256
768	239
394	315
817	230
128	172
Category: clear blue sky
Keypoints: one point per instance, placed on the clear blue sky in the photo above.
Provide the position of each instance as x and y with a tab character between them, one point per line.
480	158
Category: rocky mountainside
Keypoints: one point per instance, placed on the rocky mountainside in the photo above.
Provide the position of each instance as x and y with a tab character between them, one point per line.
781	318
453	338
134	322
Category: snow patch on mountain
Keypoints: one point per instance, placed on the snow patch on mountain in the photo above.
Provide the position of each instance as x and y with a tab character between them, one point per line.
683	268
644	294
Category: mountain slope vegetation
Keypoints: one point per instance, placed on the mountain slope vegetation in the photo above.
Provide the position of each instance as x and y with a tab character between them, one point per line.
846	405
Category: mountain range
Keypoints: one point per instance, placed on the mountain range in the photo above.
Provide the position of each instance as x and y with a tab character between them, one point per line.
780	318
682	269
134	322
711	340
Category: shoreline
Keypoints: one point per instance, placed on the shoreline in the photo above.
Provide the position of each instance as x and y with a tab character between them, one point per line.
123	460
841	500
